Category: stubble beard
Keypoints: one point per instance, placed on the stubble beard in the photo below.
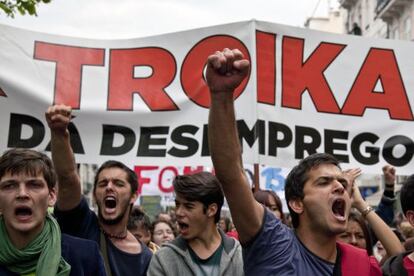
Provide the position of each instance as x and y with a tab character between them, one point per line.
115	220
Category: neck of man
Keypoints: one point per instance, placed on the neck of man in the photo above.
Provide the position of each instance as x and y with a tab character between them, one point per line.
319	243
207	243
121	238
119	229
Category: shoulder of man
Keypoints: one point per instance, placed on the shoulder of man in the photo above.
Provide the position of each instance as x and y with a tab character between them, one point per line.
394	265
79	246
83	255
230	244
178	245
5	272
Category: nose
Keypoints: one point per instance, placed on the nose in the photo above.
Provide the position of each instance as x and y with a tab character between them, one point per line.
22	191
338	187
110	185
353	240
178	211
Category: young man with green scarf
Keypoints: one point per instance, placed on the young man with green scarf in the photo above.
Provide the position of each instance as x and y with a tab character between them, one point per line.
30	239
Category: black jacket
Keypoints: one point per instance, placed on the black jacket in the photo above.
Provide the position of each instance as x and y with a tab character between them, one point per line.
394	265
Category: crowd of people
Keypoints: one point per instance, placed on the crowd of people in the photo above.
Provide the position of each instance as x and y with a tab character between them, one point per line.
330	229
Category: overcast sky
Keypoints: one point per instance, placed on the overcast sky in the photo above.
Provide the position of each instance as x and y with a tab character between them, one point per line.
114	19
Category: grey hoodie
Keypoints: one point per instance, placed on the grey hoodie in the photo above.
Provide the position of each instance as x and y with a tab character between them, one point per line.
174	259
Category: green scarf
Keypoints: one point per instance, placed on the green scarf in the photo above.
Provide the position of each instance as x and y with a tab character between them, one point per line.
42	256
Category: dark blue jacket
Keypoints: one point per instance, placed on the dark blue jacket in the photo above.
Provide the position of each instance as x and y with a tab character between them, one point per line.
83	256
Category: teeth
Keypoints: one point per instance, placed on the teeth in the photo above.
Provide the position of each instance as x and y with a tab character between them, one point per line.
110	202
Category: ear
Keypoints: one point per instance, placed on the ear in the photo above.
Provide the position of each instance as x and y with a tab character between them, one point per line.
52	197
296	205
212	209
133	198
410	216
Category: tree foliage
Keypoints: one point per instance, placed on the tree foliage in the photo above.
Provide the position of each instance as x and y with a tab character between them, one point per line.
11	7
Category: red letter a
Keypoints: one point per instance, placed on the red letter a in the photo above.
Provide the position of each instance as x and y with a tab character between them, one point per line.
379	66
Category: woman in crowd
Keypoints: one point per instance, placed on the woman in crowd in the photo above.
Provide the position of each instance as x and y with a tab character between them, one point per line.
162	232
224	224
357	232
270	200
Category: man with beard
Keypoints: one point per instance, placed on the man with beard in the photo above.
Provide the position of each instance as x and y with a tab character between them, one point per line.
316	190
114	191
201	249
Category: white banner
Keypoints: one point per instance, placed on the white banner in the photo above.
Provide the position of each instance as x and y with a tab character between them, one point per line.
145	101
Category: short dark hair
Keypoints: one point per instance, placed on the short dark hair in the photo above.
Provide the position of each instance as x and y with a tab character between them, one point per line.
407	194
262	196
203	187
131	176
297	177
31	162
138	218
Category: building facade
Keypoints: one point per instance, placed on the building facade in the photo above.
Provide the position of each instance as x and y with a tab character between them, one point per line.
379	18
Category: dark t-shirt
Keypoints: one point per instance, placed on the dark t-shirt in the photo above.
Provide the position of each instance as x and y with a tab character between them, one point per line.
83	222
277	251
209	266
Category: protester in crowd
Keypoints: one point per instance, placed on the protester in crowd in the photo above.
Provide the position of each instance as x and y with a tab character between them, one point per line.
165	216
233	231
407	230
224	224
385	207
139	224
201	248
382	231
317	192
114	192
271	201
409	244
357	232
30	239
403	264
162	232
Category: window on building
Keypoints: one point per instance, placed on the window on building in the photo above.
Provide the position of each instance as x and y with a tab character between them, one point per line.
407	28
367	14
396	33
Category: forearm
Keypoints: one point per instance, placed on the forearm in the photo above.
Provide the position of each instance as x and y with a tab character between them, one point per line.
385	235
223	139
69	192
226	155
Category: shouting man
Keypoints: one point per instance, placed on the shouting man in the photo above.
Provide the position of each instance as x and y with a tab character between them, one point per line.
30	239
316	190
201	249
114	191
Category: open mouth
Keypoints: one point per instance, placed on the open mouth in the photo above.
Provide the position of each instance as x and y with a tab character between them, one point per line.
110	202
338	209
183	227
23	212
